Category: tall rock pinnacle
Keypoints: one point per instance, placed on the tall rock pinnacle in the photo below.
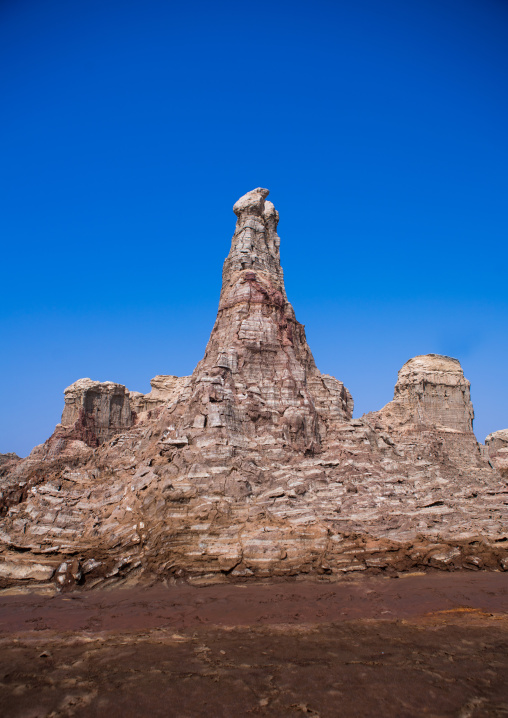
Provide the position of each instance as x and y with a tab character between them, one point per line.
258	375
255	243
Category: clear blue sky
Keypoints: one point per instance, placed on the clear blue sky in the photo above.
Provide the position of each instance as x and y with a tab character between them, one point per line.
129	129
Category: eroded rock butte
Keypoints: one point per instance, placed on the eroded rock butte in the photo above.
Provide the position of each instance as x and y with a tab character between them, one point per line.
253	466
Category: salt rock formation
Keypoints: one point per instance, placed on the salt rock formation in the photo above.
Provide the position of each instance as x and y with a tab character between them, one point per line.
165	389
258	382
498	440
431	390
6	459
432	398
497	448
96	411
253	466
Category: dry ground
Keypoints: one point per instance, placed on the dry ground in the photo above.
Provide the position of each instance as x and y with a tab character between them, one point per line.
429	645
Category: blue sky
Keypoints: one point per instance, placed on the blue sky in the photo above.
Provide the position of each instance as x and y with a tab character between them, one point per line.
129	129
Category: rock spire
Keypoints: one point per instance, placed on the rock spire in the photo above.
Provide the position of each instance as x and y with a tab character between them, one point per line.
258	377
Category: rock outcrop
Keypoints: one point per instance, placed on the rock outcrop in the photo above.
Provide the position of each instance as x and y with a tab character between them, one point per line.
432	391
431	412
497	449
165	389
497	441
8	459
95	411
253	466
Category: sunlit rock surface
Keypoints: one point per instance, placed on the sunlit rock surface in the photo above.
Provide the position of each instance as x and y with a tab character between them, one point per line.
253	466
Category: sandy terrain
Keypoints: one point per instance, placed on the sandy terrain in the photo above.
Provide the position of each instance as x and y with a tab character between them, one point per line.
429	645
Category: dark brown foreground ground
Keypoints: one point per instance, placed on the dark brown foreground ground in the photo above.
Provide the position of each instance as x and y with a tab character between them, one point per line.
432	645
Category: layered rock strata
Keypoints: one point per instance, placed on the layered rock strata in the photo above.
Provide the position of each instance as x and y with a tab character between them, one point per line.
253	466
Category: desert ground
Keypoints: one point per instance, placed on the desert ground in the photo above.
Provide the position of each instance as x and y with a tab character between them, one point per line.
434	644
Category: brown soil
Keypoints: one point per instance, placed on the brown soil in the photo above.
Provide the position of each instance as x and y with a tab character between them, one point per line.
430	645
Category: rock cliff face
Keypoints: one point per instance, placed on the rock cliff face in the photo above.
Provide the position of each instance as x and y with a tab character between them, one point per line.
253	466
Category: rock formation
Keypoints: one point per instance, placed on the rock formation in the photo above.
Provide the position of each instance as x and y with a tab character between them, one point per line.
95	411
432	391
497	448
253	466
432	400
8	458
164	390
